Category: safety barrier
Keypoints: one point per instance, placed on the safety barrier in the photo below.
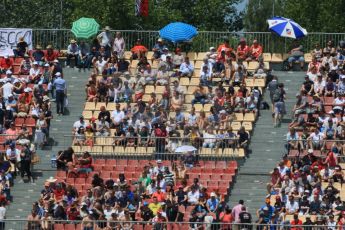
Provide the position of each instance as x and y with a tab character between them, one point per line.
59	38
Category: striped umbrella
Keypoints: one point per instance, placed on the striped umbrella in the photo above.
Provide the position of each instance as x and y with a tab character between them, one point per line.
178	32
286	27
85	27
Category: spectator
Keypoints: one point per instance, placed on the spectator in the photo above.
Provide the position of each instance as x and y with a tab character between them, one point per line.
22	48
72	52
84	164
243	51
186	68
38	55
50	54
158	49
255	51
119	45
296	54
60	89
105	38
6	64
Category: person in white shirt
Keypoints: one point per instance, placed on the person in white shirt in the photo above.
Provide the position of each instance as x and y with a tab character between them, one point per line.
209	139
7	88
209	65
100	64
319	84
80	123
291	205
205	76
117	115
119	45
193	196
108	211
105	38
315	140
165	54
186	68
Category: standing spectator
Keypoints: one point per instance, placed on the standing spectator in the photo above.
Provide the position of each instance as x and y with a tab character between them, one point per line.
25	164
105	38
2	215
60	89
245	218
236	210
226	219
119	45
72	52
21	49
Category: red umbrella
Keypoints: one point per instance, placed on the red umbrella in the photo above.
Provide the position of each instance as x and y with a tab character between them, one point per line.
139	49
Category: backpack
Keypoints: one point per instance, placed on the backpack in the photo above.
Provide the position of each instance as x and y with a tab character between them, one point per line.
277	95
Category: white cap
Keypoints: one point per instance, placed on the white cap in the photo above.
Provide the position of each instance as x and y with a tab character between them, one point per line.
10	95
310	151
159	161
6	56
15	81
331	112
58	74
35	63
212	194
46	65
8	72
56	61
212	48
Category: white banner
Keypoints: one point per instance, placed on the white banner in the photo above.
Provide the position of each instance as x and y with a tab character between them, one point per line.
9	38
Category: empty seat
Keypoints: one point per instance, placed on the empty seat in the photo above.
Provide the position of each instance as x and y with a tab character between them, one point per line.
277	58
89	106
267	57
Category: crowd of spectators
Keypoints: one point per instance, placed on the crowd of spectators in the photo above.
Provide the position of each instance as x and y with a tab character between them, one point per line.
306	186
161	193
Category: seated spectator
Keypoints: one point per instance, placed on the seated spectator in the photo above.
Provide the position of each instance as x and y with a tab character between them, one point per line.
138	50
25	65
176	101
226	48
255	51
123	65
50	54
296	54
100	65
84	163
317	52
72	52
22	48
38	55
158	49
316	140
80	138
186	68
35	71
330	48
64	158
6	64
84	57
209	139
243	50
205	76
178	58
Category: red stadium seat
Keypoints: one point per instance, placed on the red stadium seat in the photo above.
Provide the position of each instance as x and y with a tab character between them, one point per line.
70	227
30	122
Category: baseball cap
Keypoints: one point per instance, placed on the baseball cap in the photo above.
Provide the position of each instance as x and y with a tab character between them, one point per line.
8	72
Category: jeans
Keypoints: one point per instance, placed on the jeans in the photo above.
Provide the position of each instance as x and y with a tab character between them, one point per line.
208	145
295	58
60	100
18	53
200	100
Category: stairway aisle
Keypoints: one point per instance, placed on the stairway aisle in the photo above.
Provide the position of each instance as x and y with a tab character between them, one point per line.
24	194
267	145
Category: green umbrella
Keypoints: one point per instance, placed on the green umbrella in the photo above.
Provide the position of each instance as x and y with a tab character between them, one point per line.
85	27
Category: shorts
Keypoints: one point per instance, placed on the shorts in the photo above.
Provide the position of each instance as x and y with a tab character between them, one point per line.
295	58
279	107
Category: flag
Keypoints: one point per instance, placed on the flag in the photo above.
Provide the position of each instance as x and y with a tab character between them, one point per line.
142	8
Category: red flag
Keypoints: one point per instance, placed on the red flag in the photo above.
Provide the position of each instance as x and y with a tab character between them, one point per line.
142	8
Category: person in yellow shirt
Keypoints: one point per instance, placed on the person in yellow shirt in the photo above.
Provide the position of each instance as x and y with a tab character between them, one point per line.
155	206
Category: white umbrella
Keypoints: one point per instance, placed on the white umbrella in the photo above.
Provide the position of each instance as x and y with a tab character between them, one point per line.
185	148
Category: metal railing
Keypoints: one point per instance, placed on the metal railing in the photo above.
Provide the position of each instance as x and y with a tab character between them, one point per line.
60	38
19	224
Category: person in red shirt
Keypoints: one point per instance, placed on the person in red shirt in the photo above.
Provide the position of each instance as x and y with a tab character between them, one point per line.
226	48
138	50
331	160
6	64
159	195
50	54
26	95
296	223
255	51
242	50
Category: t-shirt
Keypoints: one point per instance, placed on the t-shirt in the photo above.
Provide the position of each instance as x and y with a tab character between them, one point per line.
245	217
155	207
2	213
38	55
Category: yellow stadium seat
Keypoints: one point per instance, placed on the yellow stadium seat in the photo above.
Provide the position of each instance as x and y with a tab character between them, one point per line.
149	89
253	65
146	97
149	55
206	151
239	152
99	104
247	125
198	107
184	81
192	56
277	58
111	106
267	57
128	55
96	113
228	152
188	98
236	125
159	89
239	117
119	150
76	148
194	81
260	82
266	65
207	107
134	63
89	106
201	56
108	149
249	117
249	82
87	114
308	57
198	64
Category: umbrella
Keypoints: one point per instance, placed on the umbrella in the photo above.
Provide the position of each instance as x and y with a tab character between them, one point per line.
285	27
139	48
185	148
178	32
85	27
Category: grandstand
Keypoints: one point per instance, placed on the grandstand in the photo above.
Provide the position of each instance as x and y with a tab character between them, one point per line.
225	166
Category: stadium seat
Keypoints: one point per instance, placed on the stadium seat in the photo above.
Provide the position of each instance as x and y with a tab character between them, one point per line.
267	57
90	106
277	57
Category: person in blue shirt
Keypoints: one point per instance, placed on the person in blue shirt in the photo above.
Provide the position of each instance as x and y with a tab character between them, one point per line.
60	89
72	52
158	49
212	203
266	211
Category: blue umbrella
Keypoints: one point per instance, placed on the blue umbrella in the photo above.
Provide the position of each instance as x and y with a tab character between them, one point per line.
178	32
285	27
